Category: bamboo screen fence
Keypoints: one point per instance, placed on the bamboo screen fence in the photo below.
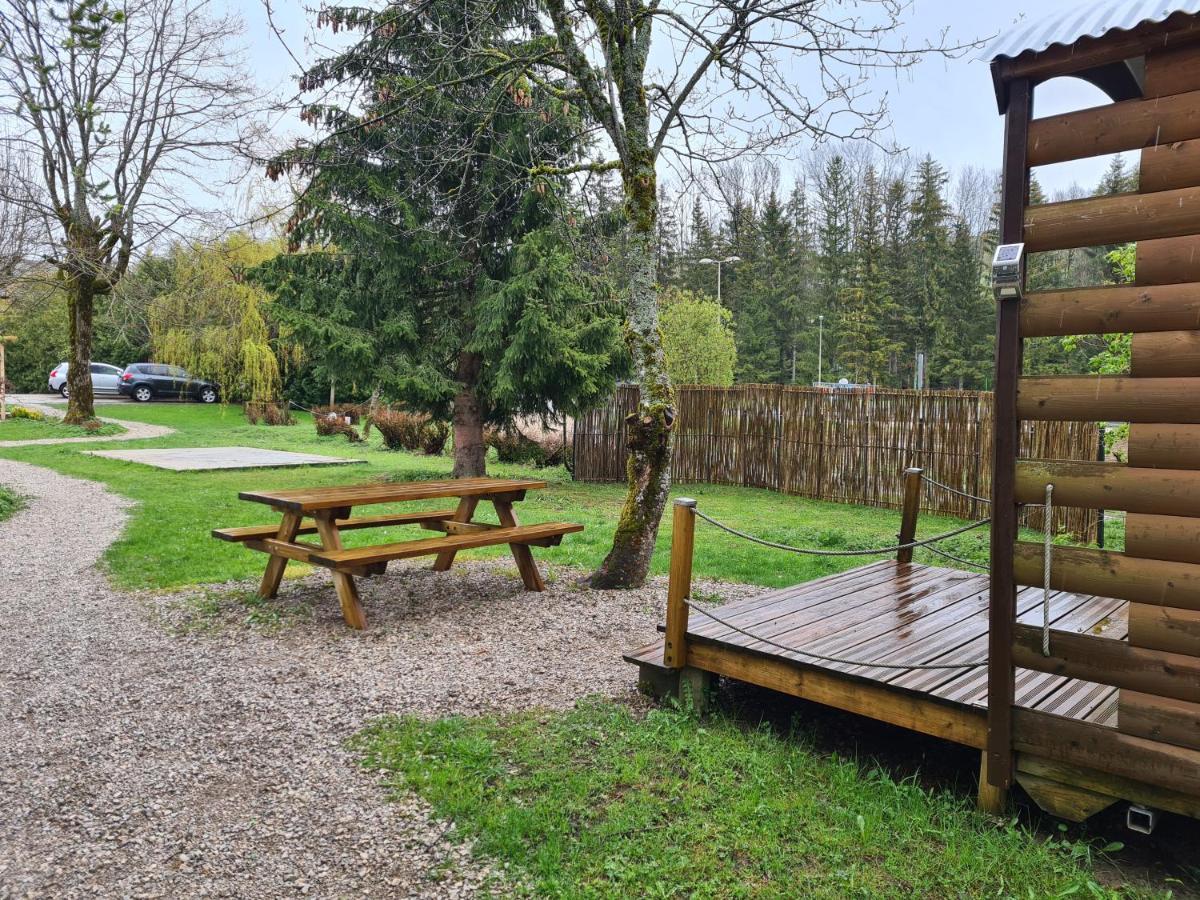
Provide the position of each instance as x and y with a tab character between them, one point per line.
845	446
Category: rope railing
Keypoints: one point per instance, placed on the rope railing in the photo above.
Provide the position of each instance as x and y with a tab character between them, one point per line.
811	551
953	490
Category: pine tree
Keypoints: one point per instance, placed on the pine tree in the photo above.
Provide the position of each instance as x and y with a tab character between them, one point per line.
867	302
963	335
835	242
928	238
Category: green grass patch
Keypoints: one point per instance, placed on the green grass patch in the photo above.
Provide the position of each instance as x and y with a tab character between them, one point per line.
168	544
599	802
35	429
10	503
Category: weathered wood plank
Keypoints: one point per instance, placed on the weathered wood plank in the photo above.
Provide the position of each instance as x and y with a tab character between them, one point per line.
1163	628
1160	718
1111	310
1114	786
1107	750
361	556
1166	354
259	532
1097	485
1162	446
1113	128
1112	219
1107	661
1085	398
1111	574
311	499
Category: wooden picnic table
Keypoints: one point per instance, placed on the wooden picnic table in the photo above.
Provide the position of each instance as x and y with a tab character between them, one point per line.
325	511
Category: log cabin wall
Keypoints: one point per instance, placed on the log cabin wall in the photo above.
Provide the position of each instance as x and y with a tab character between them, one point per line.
1157	669
1171	75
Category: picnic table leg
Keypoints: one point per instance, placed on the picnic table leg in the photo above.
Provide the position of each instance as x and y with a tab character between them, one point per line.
347	591
521	552
466	509
288	529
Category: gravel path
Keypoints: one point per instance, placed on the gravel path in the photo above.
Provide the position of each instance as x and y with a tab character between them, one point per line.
158	746
134	431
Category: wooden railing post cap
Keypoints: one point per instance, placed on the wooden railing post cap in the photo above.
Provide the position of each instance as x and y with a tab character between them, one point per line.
685	501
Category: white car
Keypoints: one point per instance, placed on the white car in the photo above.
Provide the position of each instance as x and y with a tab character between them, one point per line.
105	379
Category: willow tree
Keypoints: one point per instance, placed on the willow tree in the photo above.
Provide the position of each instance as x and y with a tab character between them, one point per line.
215	322
437	266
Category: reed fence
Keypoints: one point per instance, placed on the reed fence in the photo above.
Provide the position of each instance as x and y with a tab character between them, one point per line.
844	446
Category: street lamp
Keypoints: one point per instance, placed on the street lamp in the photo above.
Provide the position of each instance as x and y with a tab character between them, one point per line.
718	263
820	346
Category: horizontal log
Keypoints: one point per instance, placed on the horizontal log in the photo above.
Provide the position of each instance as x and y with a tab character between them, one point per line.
1172	538
1159	718
1171	70
1154	445
1098	485
1168	260
1119	398
1113	219
1107	783
1106	573
1113	128
1111	310
1163	628
1166	354
1166	167
1108	661
1106	750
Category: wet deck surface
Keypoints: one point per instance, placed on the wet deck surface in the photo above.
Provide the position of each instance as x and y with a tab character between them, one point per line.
910	615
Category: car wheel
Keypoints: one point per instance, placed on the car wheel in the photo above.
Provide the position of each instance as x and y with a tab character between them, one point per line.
142	393
208	395
65	391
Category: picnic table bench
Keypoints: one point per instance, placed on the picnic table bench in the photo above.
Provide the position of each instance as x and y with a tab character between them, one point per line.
326	512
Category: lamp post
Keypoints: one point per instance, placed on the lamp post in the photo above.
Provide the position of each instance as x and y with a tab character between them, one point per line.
718	263
820	346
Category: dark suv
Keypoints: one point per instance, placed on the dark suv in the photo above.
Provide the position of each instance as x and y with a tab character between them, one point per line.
150	381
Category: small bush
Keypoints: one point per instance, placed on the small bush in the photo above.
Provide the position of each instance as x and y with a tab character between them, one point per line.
555	451
402	430
273	413
22	412
349	413
330	423
514	447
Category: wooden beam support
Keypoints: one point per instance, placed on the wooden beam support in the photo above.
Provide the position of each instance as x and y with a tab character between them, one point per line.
1168	260
1166	167
1113	219
1114	128
1109	661
1098	485
679	588
1107	573
1160	718
1157	446
1105	749
952	722
1111	310
1002	591
908	513
1120	398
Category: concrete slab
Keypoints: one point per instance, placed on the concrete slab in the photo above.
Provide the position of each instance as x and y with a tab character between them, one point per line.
203	459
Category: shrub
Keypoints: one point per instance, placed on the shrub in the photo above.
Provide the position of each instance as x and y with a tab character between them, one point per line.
402	430
269	413
554	450
331	421
514	447
23	412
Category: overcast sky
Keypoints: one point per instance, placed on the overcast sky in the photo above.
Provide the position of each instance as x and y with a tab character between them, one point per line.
943	107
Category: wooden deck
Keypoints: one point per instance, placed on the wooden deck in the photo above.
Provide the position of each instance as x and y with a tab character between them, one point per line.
901	614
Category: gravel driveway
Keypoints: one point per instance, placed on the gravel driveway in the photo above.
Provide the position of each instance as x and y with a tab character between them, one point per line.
158	746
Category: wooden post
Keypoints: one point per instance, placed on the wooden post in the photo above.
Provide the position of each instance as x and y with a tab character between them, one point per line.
4	339
908	515
1002	602
682	540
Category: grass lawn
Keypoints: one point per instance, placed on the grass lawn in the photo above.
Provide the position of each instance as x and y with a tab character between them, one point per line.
33	429
602	802
167	542
10	502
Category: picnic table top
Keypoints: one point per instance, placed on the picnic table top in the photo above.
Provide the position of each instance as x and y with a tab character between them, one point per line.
311	499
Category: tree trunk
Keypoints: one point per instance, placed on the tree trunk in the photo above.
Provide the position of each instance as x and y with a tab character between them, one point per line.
648	432
81	405
470	452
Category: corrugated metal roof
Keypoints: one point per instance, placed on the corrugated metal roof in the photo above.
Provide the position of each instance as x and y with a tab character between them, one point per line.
1092	19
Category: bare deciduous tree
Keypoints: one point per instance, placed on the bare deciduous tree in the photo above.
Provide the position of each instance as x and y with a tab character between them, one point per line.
128	109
